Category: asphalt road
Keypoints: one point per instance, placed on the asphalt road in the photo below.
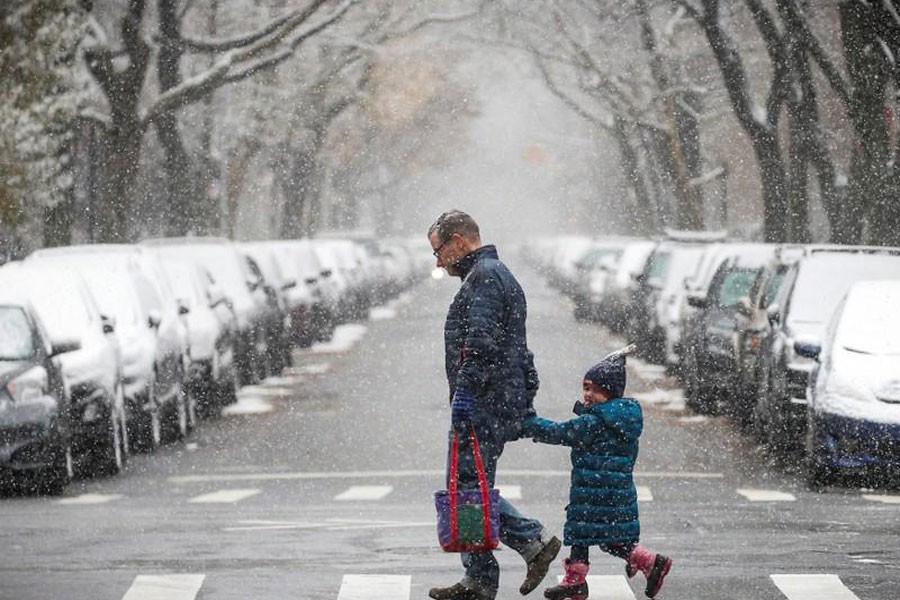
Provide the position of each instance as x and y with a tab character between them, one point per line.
328	494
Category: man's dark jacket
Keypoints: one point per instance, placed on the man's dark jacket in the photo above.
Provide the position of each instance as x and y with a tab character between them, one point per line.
484	340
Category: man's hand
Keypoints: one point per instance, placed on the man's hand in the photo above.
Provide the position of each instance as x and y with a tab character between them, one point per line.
461	410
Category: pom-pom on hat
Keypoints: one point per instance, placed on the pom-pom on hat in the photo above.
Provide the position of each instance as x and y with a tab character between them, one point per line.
609	373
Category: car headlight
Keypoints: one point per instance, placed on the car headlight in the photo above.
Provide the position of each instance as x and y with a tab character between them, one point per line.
25	389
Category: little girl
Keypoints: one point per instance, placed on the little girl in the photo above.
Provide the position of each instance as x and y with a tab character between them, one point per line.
603	509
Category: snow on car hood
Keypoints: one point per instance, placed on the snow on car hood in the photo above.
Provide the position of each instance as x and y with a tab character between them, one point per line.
850	384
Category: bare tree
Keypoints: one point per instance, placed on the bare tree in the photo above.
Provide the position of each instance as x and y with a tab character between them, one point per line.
121	68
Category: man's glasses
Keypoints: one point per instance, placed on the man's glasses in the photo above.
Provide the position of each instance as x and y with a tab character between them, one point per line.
437	250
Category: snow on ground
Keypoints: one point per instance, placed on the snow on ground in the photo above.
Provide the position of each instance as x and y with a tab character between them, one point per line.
344	338
284	380
667	399
247	404
382	313
693	419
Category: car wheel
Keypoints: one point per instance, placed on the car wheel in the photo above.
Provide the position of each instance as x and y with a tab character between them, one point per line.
56	478
147	428
176	416
110	458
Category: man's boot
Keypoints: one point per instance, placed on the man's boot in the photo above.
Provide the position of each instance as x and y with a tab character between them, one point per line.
538	566
574	583
654	566
457	591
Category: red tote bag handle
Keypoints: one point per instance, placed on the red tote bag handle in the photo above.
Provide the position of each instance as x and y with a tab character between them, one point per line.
482	484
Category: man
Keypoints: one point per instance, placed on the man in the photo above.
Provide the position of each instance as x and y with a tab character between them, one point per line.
492	386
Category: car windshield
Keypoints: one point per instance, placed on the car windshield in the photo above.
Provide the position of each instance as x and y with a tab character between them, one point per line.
114	290
221	261
870	323
825	278
658	263
773	285
16	341
58	301
735	285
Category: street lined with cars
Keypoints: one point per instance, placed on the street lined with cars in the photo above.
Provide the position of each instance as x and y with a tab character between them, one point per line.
134	344
318	484
743	326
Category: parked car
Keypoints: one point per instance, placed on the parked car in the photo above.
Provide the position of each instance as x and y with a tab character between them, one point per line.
591	274
707	352
621	283
812	288
853	414
230	271
212	378
266	275
129	285
91	368
751	328
35	414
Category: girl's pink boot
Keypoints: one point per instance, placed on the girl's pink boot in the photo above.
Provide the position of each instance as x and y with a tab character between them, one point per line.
654	566
574	583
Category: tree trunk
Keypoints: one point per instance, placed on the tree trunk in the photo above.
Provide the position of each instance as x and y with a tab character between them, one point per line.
123	153
180	192
644	222
868	188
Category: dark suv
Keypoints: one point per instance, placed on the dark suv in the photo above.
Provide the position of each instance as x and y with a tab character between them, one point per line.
812	288
708	348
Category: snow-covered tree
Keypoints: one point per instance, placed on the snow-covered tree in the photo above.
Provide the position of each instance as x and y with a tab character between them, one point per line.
41	94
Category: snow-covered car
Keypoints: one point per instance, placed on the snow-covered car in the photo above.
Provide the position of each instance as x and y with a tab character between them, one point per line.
127	283
222	260
212	374
267	276
621	282
854	389
35	415
335	279
812	288
92	369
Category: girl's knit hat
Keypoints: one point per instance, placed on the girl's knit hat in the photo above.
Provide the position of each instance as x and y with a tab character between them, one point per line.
609	373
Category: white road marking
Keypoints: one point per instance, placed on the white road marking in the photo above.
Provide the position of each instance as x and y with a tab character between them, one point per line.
608	587
410	473
375	587
510	492
365	492
164	587
881	498
813	587
382	313
223	497
644	494
91	499
328	525
765	495
310	369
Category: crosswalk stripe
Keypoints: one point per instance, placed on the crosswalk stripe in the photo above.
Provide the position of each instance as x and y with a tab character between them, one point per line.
607	587
90	499
164	587
813	587
765	495
510	492
365	492
223	497
375	587
644	494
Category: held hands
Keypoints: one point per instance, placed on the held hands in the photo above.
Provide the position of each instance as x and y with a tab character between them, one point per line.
461	410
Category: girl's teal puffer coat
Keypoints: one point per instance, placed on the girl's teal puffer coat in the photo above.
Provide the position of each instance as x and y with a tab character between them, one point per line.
603	505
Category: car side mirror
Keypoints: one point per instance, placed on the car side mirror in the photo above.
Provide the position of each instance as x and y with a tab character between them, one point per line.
773	313
108	324
63	346
697	301
154	319
290	283
744	308
326	272
183	307
808	348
